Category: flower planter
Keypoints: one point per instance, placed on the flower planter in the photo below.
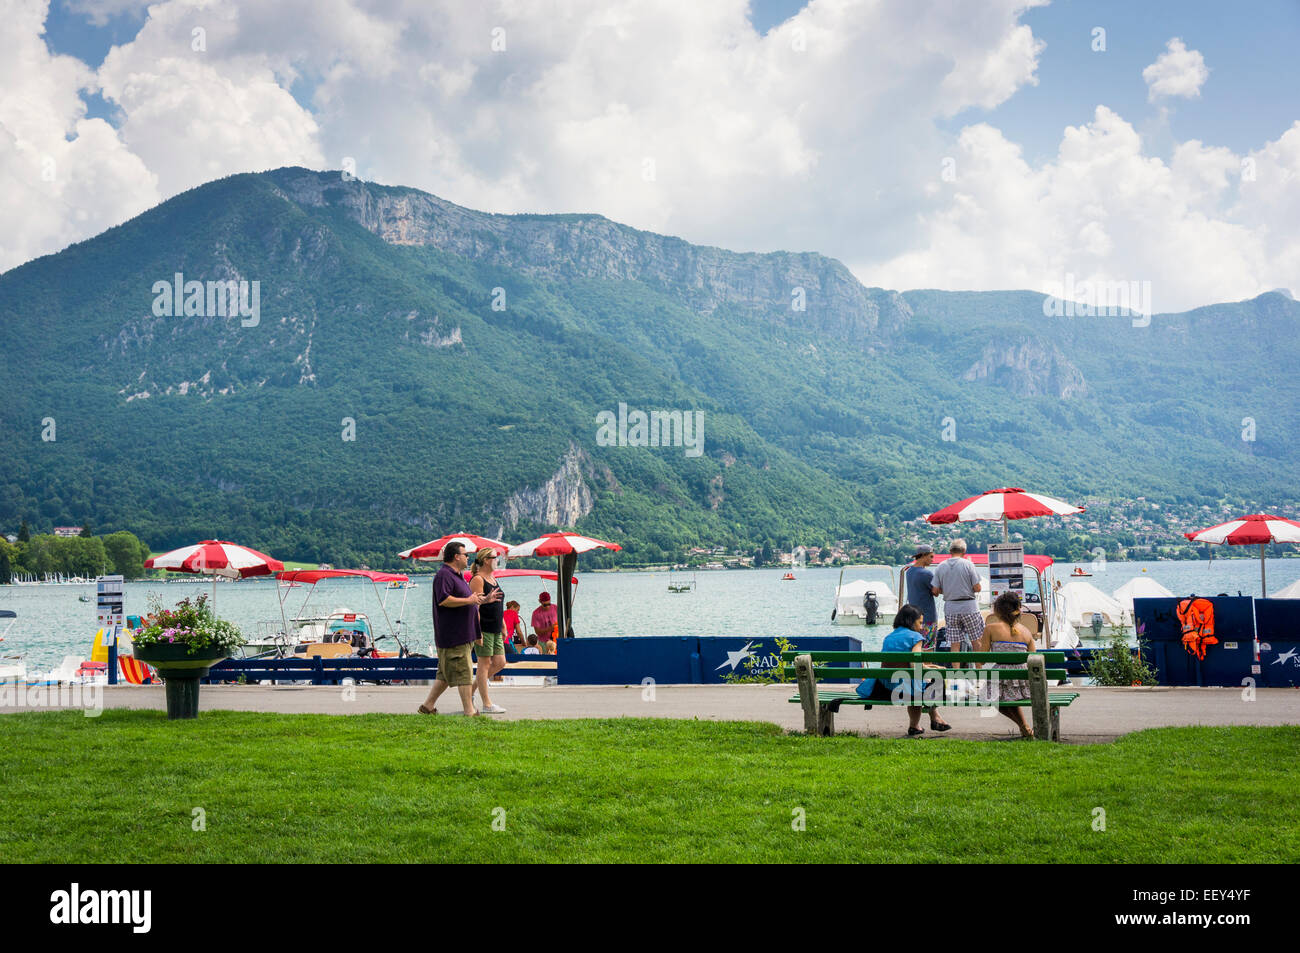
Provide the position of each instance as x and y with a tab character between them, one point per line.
181	672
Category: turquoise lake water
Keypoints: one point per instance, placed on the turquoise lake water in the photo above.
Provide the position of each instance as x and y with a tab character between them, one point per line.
52	622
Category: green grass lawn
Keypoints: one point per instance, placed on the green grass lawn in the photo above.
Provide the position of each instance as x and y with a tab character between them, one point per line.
123	788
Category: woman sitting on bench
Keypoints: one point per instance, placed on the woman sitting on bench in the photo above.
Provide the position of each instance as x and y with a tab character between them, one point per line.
1004	632
908	636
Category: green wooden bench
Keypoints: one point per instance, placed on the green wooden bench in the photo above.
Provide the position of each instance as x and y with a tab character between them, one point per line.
821	703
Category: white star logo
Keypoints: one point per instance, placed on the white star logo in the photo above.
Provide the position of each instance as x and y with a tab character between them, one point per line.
735	658
1285	657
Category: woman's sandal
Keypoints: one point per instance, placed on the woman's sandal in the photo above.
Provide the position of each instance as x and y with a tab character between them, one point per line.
913	732
942	726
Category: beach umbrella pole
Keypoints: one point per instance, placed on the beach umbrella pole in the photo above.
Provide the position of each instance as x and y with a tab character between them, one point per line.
1263	589
568	563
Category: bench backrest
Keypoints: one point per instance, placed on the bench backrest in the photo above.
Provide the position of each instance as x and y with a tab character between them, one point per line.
945	658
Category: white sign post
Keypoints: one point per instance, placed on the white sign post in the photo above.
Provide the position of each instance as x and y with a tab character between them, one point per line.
109	594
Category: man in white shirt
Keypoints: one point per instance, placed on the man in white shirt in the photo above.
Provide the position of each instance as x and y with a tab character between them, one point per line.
958	582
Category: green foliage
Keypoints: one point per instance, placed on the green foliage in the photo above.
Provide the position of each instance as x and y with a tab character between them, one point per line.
126	553
119	552
820	426
190	623
1119	664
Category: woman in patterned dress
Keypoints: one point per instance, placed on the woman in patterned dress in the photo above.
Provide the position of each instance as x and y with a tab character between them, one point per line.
1004	633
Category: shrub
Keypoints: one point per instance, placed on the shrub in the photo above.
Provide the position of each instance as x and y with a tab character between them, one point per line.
1118	664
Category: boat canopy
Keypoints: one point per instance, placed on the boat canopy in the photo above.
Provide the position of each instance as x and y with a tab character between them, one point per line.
550	574
857	588
8	614
1083	599
1139	587
313	576
981	559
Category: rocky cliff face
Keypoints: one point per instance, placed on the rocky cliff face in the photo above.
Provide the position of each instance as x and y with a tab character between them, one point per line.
1028	369
562	500
800	287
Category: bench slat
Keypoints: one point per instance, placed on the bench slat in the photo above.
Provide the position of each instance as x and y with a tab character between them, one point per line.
1010	673
896	658
1053	700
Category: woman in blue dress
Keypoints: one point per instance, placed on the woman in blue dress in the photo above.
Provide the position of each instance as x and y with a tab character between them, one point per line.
908	636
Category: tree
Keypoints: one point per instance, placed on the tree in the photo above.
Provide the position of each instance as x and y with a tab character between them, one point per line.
126	554
6	571
85	532
24	534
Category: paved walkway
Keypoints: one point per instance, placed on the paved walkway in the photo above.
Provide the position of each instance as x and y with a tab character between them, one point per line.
1100	714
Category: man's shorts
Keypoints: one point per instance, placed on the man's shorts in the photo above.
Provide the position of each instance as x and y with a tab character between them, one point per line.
963	630
930	632
454	666
494	643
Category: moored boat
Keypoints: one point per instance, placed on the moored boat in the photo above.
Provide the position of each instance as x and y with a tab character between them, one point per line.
870	600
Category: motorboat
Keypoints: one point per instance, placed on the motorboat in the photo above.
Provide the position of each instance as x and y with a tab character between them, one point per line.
870	600
12	667
340	632
1089	610
788	577
1080	574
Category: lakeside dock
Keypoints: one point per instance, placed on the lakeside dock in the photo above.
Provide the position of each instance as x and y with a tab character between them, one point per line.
1100	715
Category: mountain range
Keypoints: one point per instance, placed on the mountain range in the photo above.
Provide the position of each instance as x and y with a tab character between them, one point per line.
404	367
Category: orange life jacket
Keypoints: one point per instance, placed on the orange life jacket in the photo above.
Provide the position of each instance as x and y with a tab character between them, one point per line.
1196	616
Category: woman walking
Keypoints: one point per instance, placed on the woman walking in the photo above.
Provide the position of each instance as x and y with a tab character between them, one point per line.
490	647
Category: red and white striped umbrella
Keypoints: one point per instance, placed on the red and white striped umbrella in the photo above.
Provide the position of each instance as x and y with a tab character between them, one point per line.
560	544
1008	503
1256	529
432	550
564	546
216	557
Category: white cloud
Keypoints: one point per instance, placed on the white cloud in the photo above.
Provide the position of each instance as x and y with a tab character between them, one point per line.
1104	211
195	107
822	135
64	177
1176	72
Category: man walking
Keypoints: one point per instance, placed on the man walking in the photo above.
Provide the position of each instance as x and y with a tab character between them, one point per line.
455	627
958	582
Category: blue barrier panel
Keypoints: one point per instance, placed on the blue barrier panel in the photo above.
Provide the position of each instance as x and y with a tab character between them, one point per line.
1277	621
1225	664
627	660
722	655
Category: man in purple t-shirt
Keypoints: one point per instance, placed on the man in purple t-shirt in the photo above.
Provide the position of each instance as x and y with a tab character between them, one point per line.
455	627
